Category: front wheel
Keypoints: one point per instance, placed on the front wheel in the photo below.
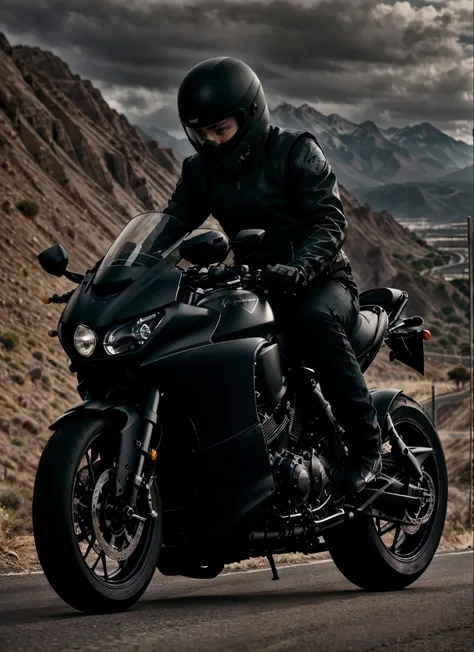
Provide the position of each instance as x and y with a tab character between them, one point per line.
94	559
378	554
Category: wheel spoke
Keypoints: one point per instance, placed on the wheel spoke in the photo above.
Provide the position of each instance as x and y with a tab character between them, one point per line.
104	564
93	567
388	528
89	547
395	538
89	466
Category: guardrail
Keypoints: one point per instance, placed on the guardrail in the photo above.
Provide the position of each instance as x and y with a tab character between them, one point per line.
449	357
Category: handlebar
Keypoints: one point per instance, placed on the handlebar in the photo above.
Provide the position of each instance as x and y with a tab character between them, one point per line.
217	277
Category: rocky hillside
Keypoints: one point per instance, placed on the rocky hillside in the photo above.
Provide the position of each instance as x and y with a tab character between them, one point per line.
74	171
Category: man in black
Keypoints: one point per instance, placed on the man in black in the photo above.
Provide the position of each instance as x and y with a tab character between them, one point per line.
249	174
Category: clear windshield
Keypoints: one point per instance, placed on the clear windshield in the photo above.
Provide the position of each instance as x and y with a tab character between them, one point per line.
146	240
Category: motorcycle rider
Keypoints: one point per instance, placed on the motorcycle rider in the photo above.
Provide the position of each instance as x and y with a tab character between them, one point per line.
250	174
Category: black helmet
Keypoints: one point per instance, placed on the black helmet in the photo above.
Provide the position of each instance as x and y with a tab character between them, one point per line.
217	89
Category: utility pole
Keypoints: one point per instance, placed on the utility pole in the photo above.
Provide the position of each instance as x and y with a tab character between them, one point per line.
470	245
433	403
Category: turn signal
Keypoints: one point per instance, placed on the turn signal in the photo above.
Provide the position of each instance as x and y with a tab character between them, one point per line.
426	334
153	454
45	300
52	333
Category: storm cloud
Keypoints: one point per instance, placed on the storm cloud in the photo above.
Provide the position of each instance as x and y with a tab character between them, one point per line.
388	61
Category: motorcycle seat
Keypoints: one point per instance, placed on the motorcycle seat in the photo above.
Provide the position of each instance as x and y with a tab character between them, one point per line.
391	300
367	335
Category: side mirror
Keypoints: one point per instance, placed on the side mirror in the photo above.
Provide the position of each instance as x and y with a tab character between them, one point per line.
205	248
247	242
54	260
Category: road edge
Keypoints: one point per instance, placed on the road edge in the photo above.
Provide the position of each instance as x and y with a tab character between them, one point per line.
260	570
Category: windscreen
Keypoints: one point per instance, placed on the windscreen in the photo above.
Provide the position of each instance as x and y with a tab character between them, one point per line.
146	240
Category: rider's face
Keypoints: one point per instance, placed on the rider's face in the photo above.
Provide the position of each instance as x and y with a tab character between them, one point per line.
222	131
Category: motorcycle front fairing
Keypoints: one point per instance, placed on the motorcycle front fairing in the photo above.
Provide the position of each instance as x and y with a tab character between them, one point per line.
154	288
217	384
214	381
137	276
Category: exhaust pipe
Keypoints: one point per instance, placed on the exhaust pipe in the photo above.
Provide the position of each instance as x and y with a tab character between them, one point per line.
315	527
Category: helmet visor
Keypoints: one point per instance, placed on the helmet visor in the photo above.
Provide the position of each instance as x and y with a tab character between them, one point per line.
220	132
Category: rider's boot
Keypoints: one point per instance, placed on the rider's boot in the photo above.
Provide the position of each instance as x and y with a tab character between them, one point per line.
364	462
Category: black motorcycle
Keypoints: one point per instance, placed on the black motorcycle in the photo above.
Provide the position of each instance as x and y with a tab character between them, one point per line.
204	439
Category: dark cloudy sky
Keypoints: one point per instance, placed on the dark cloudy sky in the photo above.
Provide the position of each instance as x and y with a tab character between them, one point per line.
392	62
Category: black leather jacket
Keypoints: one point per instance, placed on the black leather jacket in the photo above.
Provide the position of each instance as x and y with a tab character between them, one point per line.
287	188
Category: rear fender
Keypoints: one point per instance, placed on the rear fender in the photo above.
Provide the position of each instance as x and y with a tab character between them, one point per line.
382	400
126	419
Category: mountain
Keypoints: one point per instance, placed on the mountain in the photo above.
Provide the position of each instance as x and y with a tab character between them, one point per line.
466	175
74	171
448	200
425	141
362	155
181	146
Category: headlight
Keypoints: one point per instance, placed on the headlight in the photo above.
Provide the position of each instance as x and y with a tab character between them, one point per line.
85	340
130	337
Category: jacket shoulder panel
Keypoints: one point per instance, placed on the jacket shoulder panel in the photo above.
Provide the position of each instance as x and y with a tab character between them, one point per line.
310	157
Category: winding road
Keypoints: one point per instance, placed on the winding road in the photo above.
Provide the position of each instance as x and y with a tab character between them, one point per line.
311	608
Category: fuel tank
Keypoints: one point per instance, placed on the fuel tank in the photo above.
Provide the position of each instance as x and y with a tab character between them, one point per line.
243	314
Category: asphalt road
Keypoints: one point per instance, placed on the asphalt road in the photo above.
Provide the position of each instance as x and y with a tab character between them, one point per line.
447	399
311	608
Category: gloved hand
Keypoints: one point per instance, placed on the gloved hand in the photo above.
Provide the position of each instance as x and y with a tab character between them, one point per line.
283	278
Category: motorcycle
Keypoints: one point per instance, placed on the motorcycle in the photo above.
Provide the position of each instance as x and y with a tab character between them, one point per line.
202	439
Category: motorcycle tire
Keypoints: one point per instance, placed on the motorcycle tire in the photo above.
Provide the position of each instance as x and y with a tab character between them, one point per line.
357	547
55	530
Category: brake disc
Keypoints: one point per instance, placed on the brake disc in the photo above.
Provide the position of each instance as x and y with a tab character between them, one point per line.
113	537
414	522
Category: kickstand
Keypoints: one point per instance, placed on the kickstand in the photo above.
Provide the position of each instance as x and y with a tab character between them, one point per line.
273	567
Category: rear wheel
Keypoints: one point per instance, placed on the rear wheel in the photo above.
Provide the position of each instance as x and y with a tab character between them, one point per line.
95	559
381	555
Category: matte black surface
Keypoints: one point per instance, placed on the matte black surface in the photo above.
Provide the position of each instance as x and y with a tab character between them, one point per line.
269	377
128	422
155	287
367	338
205	248
243	314
54	260
311	608
392	300
407	344
247	242
183	327
217	384
382	400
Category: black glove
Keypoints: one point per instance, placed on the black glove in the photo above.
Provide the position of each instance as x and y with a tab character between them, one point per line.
283	278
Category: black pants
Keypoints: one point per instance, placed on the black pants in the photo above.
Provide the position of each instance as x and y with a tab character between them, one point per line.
317	324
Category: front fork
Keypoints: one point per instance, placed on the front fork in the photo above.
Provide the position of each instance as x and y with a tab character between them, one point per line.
137	480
